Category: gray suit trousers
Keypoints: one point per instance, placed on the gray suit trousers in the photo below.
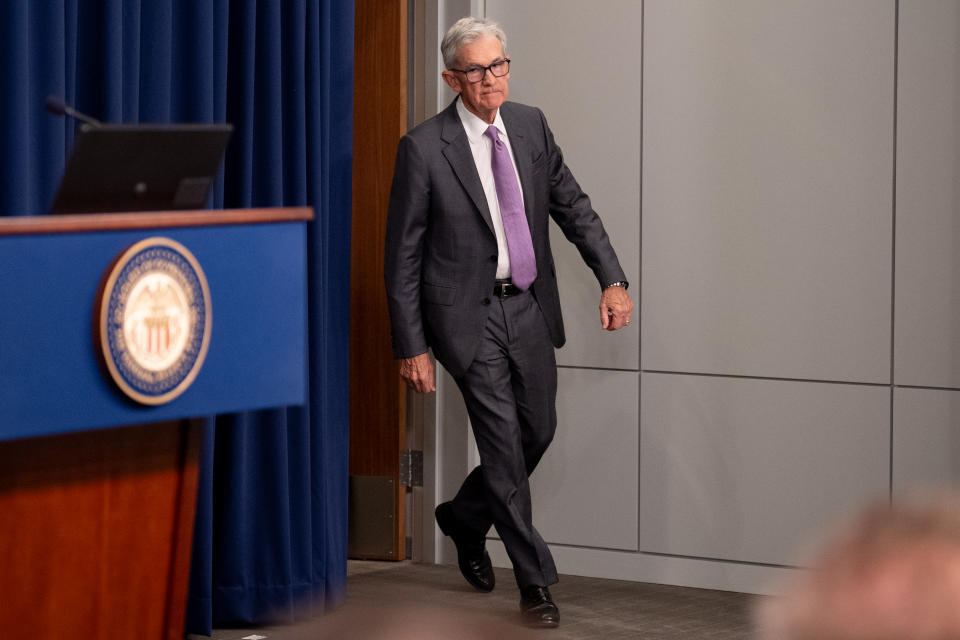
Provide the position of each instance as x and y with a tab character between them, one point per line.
510	391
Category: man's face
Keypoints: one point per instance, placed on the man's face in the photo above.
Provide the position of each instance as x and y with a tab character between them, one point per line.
481	98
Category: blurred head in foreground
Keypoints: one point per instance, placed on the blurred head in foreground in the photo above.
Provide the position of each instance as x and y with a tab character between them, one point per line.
894	574
417	621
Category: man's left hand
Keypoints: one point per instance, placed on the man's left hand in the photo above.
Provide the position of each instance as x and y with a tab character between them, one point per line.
615	308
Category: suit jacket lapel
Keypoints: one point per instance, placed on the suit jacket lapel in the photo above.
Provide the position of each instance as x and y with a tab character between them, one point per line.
458	154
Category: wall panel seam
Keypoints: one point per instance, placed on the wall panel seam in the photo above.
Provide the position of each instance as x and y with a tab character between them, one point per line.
639	325
893	234
879	385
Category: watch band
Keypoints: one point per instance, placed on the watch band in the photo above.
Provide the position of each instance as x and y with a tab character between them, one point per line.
618	283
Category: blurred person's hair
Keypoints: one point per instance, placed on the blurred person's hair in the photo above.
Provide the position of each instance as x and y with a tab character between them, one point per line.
893	574
363	619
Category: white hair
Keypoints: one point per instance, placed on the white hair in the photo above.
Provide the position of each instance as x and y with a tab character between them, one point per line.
466	30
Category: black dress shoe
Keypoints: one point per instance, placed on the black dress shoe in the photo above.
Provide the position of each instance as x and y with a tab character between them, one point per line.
472	556
537	608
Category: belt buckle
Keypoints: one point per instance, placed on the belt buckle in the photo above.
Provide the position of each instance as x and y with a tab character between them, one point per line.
502	289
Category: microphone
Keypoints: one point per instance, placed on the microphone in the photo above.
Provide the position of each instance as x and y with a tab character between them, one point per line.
58	107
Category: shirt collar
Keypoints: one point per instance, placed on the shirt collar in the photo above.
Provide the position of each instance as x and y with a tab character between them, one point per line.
474	126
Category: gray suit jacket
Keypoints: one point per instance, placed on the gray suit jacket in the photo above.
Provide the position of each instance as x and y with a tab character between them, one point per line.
441	251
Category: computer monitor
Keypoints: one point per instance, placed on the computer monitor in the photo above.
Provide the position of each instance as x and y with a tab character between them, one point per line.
141	167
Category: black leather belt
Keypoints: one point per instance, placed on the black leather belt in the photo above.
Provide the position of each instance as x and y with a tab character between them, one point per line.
504	288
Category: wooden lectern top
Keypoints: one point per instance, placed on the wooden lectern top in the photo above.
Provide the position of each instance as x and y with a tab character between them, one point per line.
16	225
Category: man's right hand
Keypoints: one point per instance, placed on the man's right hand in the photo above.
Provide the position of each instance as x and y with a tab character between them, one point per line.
418	373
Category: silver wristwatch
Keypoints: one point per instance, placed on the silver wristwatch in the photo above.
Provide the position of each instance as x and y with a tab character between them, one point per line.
618	283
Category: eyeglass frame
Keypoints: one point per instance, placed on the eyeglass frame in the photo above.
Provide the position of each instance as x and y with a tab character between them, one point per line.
489	68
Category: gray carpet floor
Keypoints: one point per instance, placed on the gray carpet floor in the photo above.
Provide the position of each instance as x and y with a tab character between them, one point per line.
401	601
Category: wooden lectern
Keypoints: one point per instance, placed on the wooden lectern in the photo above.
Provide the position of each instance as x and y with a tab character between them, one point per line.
98	491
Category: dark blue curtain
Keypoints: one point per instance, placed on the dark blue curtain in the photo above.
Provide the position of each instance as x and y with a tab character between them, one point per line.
270	539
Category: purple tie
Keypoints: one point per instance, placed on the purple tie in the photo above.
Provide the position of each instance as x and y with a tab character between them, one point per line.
523	264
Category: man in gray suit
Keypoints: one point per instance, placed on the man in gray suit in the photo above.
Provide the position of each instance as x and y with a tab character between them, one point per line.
470	274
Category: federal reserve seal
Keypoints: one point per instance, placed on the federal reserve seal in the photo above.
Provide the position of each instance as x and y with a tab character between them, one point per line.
155	317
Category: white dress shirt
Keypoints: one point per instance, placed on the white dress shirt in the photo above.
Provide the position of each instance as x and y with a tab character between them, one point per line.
481	147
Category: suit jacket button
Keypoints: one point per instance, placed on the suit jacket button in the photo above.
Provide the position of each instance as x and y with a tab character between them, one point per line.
493	258
485	301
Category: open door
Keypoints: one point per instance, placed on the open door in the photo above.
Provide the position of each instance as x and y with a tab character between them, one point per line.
378	409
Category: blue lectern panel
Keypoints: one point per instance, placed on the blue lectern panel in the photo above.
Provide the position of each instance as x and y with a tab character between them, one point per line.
51	380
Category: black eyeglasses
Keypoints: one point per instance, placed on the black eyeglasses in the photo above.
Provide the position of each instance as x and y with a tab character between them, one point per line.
497	69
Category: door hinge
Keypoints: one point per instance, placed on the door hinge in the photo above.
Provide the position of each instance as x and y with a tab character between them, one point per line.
411	468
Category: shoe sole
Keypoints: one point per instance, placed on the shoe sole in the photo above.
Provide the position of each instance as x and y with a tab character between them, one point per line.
541	624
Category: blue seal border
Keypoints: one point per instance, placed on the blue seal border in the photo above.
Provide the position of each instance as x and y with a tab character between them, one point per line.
176	261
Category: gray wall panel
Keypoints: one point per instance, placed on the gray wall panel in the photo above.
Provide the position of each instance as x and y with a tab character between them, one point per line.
767	182
926	440
580	63
748	470
927	350
768	251
585	490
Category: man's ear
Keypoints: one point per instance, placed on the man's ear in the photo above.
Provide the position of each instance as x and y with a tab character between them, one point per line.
452	80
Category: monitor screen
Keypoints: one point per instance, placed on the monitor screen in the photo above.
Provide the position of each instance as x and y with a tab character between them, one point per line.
141	167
